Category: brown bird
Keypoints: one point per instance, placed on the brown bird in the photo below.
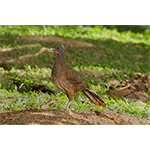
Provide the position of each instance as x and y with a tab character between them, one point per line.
70	81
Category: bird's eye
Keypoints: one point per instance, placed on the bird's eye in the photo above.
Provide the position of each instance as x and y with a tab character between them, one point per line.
57	48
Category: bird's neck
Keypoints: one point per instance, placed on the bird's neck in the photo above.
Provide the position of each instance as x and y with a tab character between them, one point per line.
59	60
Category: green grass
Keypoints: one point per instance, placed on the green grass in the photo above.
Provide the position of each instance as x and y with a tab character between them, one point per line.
130	54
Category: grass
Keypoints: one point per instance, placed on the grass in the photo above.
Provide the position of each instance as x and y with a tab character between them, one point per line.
128	52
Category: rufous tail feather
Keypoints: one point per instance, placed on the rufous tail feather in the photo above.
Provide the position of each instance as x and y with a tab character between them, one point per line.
94	97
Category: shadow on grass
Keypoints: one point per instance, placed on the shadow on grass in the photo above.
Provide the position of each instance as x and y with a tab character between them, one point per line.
132	28
110	53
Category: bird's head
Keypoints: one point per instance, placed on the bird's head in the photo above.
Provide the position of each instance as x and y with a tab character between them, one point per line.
58	49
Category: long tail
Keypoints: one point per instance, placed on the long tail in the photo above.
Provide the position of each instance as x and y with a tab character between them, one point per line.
94	97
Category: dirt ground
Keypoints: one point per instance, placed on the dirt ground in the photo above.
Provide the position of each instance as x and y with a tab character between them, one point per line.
64	116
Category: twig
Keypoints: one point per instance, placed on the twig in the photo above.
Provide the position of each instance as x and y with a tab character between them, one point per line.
116	110
44	106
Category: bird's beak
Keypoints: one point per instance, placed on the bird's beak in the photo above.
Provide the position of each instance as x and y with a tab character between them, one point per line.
52	49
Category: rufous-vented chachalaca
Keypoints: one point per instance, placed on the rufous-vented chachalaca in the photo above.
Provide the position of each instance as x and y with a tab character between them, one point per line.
70	81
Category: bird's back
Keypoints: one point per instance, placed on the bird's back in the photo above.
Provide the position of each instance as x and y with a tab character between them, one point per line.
64	73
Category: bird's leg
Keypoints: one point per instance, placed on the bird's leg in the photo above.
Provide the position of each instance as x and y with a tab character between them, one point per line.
68	105
70	97
69	110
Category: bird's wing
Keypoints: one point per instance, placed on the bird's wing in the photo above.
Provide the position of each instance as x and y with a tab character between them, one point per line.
75	78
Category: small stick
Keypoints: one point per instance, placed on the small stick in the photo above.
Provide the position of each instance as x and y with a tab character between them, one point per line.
116	110
44	106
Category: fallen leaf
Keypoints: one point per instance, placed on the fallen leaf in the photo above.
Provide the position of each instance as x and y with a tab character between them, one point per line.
147	82
142	96
118	56
148	77
142	76
123	91
107	117
127	85
113	82
135	75
132	87
131	97
139	74
136	96
120	93
141	86
73	62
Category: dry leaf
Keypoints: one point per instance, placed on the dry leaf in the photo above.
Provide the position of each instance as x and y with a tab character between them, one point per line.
118	56
147	82
132	97
123	91
127	85
135	75
73	62
142	76
148	77
136	96
141	96
107	117
132	87
120	93
141	86
113	82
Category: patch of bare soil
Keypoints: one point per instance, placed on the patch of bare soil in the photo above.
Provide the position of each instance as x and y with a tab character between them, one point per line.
64	116
10	49
59	40
97	73
23	58
48	39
